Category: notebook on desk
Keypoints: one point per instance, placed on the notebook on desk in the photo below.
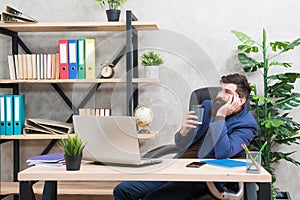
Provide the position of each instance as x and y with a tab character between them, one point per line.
110	140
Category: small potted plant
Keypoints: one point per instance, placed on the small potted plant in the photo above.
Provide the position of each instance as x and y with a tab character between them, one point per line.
113	12
72	147
151	61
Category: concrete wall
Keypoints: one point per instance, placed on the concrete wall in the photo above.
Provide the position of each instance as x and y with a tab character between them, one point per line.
194	39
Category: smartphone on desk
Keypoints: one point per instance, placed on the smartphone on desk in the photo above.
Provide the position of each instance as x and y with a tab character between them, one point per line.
195	164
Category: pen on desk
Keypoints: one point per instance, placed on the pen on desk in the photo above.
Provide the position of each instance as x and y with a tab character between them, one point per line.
262	148
251	157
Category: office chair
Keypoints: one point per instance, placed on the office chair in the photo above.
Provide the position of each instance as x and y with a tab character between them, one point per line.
197	97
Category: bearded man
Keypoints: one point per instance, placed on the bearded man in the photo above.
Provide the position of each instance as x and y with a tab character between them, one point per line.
226	125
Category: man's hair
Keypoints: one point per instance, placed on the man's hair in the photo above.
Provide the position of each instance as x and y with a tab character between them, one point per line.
243	87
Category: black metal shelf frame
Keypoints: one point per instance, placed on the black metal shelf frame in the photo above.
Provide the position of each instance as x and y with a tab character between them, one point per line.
130	51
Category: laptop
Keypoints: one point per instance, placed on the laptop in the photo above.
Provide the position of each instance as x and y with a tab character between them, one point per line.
111	140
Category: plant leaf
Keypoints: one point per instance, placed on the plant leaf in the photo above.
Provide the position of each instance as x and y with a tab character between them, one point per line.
279	45
72	146
289	77
249	64
280	155
292	45
263	99
248	44
245	39
272	123
283	64
280	89
289	102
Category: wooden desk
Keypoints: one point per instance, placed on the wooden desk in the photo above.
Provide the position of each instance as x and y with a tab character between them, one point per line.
169	170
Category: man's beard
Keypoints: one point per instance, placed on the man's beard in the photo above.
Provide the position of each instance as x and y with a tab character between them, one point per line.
217	104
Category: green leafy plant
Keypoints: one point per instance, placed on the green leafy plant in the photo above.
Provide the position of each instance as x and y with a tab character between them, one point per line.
112	4
72	146
151	58
271	109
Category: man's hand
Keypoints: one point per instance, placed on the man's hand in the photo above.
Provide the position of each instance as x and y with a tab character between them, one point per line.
233	105
191	121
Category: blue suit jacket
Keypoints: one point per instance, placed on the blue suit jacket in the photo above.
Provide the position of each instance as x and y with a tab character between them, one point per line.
224	137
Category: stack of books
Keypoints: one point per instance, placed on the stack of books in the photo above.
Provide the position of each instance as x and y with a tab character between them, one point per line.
95	111
13	15
47	126
75	60
54	159
33	66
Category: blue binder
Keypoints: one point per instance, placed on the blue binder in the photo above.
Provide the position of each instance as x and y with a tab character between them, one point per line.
73	59
2	114
19	114
9	115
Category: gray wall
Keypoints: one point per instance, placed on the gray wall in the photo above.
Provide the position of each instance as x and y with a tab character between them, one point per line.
194	39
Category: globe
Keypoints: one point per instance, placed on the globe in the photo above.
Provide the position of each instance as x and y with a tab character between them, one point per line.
144	117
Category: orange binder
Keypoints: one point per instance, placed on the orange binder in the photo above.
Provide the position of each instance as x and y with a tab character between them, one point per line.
63	59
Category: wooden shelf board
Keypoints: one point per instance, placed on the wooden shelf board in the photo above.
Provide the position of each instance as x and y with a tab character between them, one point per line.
64	188
8	188
79	188
112	80
76	26
32	137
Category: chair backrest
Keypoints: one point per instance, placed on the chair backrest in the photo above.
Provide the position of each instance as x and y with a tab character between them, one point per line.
206	93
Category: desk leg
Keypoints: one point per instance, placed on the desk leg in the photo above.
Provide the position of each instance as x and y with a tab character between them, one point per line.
50	190
26	191
265	191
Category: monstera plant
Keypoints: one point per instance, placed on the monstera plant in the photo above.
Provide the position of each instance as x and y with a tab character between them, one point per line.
278	98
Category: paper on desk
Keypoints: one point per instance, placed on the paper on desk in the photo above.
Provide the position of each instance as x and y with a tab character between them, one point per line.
54	159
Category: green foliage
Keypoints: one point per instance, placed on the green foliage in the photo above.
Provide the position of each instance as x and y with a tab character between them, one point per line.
151	58
112	4
72	146
272	108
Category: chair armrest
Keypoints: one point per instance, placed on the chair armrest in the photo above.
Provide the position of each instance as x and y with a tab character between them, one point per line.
226	195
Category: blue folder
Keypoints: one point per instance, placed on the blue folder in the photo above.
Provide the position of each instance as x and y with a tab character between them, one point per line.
73	59
229	163
19	114
2	114
9	115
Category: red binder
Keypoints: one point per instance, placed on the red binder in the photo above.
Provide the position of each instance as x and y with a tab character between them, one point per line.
63	59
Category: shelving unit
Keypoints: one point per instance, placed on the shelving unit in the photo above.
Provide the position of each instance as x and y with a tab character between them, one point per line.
112	80
130	51
56	137
77	26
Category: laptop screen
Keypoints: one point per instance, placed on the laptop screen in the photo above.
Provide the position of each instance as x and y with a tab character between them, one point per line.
110	139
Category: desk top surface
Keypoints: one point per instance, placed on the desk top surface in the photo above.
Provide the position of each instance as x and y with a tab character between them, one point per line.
168	170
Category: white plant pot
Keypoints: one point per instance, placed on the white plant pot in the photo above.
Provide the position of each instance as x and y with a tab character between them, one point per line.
151	72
